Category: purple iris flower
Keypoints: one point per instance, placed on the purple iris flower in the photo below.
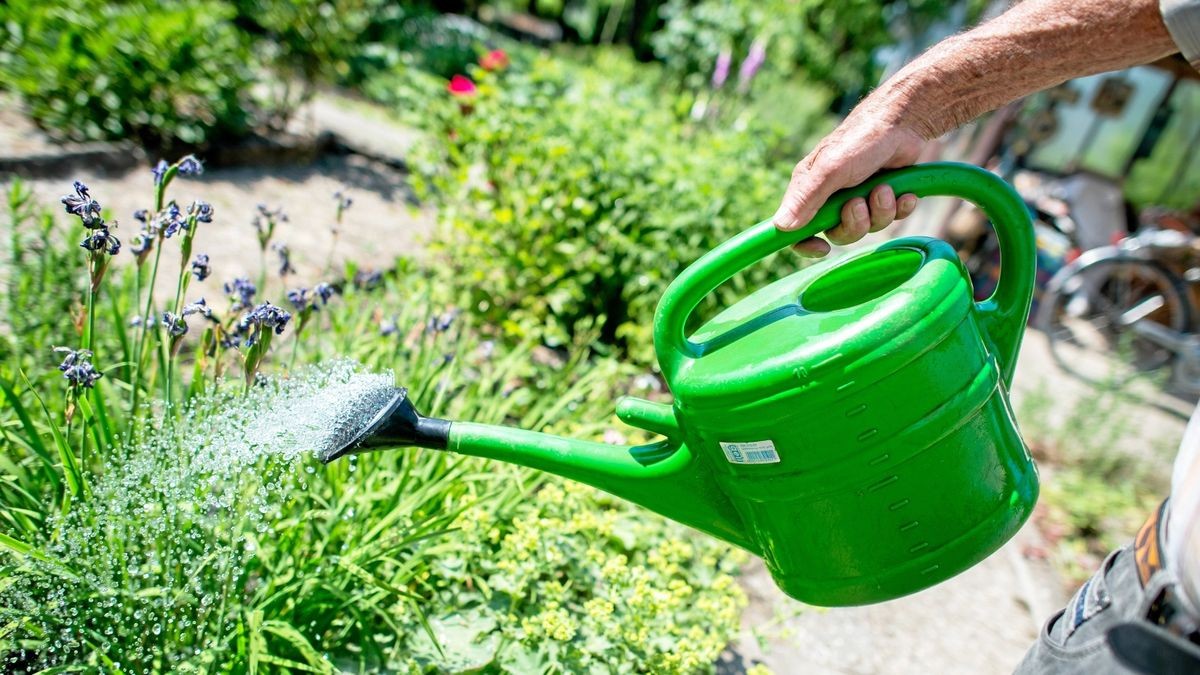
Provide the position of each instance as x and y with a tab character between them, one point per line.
81	204
201	211
200	267
721	71
241	290
299	298
159	170
324	291
441	323
190	166
198	307
264	317
174	324
77	368
102	240
750	66
172	220
141	243
285	259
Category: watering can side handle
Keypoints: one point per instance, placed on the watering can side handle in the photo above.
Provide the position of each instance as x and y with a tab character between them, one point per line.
658	418
1003	314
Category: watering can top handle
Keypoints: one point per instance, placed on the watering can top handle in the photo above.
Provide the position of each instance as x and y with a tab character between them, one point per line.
1004	313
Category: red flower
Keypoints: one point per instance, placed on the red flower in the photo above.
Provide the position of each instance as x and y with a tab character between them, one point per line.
461	86
496	59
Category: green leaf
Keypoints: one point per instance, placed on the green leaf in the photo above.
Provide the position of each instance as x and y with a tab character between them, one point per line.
468	640
22	549
71	472
293	637
32	437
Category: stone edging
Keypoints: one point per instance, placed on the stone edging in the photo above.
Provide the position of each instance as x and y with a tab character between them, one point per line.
123	156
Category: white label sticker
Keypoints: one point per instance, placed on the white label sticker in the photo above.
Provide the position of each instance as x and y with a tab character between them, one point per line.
753	452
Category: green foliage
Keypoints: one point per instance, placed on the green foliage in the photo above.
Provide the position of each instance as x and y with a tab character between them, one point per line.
575	194
309	38
830	44
440	44
1086	516
573	581
409	560
159	73
348	41
47	279
1095	491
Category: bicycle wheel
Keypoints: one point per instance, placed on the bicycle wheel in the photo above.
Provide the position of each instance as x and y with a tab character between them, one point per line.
1091	304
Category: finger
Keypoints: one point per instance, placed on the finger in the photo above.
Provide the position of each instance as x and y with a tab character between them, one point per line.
813	181
813	247
905	205
883	207
856	221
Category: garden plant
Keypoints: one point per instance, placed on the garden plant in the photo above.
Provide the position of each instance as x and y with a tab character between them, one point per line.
162	509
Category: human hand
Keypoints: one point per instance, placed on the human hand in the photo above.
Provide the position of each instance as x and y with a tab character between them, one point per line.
866	141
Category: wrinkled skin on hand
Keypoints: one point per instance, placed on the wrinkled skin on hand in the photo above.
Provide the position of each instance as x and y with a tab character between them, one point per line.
1033	45
867	141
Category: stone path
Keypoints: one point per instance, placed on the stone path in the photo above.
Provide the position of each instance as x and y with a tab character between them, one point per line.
383	222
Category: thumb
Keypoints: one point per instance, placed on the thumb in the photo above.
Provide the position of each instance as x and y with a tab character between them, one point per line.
811	185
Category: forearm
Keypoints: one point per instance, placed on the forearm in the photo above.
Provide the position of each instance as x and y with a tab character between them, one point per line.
1035	45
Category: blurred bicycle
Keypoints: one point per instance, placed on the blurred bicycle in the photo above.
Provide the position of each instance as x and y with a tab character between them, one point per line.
1136	299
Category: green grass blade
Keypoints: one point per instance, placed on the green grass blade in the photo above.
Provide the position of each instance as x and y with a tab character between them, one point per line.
71	472
32	437
293	637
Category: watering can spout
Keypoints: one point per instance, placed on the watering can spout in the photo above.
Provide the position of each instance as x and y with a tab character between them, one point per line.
665	477
396	424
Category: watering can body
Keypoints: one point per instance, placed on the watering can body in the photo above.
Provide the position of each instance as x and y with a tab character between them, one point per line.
855	414
869	448
849	423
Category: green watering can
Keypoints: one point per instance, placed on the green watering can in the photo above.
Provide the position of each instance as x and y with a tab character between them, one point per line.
849	423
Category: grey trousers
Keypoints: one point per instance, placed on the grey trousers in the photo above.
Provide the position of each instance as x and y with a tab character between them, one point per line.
1135	590
1073	640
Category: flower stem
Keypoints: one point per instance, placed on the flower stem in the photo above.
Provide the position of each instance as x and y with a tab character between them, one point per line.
262	271
181	284
295	350
146	318
89	329
160	192
137	301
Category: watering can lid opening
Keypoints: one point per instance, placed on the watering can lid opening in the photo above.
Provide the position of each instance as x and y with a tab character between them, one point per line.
813	327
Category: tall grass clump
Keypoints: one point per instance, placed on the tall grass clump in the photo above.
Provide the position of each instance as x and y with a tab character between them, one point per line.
161	508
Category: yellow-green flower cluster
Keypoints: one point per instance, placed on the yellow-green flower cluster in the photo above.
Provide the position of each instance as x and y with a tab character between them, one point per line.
552	622
580	580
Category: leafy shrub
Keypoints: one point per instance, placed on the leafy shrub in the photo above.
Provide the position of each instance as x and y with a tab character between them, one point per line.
440	44
576	194
1095	492
309	38
1084	517
161	73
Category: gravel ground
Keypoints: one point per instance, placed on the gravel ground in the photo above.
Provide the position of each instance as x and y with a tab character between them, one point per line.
383	222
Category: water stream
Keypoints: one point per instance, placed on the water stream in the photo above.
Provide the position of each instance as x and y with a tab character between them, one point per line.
151	563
